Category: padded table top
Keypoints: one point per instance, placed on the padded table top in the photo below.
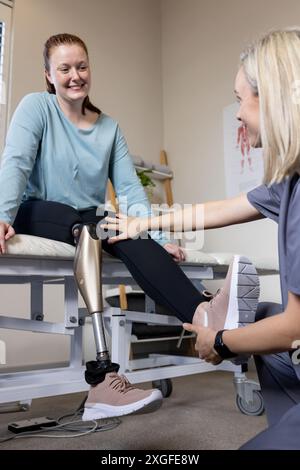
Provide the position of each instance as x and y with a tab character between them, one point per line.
28	246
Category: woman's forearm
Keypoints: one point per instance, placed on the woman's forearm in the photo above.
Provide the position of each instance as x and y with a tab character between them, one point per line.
274	334
182	220
210	215
232	211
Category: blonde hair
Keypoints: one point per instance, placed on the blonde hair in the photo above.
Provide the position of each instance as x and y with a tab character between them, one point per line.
272	68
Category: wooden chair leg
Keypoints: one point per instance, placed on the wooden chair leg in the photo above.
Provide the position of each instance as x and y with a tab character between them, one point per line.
123	297
167	182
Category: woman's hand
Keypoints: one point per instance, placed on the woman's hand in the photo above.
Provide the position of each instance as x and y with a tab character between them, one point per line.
205	343
129	227
6	232
177	253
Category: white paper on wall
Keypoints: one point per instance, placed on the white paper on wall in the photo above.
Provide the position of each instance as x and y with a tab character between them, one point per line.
243	165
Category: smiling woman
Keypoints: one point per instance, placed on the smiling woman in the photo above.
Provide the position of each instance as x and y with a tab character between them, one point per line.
67	74
248	112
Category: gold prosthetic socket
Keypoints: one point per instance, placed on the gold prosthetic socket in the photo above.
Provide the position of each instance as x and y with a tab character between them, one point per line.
88	275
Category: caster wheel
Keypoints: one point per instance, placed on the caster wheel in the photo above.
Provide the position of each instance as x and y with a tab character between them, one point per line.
164	385
253	408
24	407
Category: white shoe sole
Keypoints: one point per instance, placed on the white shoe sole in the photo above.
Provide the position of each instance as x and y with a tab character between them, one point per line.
101	410
244	294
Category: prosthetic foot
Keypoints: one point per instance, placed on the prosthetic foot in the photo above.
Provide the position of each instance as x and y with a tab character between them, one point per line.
111	394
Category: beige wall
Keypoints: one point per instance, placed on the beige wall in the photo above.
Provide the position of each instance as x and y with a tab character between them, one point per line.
123	37
201	42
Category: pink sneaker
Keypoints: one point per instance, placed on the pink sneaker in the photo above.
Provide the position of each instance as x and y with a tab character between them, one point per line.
115	396
235	304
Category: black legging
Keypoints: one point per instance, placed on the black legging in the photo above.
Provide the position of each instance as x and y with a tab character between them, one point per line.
150	265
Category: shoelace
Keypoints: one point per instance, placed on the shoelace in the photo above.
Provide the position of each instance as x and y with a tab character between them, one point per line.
207	294
212	301
121	383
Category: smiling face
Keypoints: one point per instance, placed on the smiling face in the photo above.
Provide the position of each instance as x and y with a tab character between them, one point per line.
248	112
69	72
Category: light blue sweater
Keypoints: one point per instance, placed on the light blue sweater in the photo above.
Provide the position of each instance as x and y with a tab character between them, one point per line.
47	157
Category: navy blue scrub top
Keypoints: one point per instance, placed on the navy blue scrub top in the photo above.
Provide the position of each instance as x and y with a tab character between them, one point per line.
281	203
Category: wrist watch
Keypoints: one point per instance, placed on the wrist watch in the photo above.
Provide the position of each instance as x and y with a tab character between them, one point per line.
221	348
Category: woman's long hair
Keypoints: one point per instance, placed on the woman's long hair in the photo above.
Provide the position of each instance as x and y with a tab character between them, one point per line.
272	68
59	40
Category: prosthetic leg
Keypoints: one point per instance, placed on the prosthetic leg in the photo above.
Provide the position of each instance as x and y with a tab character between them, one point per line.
110	394
87	272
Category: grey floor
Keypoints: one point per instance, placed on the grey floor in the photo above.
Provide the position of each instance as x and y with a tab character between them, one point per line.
200	414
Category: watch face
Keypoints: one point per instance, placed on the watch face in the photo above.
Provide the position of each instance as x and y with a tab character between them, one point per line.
218	343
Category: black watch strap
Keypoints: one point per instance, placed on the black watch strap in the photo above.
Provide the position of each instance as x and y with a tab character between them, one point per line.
221	348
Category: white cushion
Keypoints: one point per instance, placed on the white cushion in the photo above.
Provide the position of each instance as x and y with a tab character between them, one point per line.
29	245
37	246
224	259
196	256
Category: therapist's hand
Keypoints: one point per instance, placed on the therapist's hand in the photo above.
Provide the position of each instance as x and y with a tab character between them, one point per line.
205	343
6	232
176	252
126	226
